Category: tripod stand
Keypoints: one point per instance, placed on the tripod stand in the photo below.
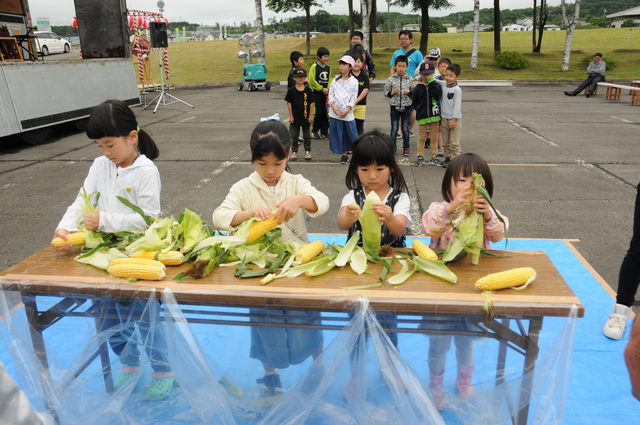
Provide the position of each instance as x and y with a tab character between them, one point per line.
164	94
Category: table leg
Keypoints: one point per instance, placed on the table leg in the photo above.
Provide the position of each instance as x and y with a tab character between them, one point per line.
104	357
535	325
35	328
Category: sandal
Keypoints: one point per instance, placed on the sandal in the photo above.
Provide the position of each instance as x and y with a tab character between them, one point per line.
160	388
125	376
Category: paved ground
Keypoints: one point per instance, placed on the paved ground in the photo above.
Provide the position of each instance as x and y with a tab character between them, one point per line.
564	168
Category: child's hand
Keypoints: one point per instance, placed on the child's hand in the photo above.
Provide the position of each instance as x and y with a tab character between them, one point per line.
461	198
325	91
288	208
291	120
407	91
91	221
261	213
310	119
482	207
63	234
384	211
452	124
352	211
395	91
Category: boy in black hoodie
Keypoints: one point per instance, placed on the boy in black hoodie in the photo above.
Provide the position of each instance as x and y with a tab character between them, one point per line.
426	98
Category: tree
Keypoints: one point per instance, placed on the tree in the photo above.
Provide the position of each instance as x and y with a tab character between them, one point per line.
540	16
294	5
497	26
260	32
351	18
599	21
570	26
365	6
476	27
423	6
628	23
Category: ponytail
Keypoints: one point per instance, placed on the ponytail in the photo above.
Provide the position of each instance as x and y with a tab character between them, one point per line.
147	146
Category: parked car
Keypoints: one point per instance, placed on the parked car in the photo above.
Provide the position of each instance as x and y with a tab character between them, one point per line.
49	42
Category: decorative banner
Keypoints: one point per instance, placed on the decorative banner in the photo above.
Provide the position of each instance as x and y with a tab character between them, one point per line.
43	23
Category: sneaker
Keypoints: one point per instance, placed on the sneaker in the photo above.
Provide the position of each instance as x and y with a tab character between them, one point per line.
615	326
446	162
307	156
315	135
294	156
587	94
300	140
324	136
568	93
271	384
419	161
440	152
410	134
344	159
405	152
160	388
427	144
436	162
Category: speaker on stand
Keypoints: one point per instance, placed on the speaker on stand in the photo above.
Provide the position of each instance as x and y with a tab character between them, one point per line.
159	40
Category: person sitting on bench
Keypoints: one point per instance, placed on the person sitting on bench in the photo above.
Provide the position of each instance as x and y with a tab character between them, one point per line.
595	70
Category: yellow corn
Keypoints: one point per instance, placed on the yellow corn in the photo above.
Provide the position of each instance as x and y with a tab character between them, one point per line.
137	268
74	239
259	228
507	279
169	258
136	271
137	261
423	251
309	251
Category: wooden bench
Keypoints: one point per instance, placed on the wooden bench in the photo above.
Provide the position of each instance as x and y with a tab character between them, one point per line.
614	91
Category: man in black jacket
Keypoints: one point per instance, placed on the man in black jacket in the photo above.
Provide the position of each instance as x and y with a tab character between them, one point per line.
369	66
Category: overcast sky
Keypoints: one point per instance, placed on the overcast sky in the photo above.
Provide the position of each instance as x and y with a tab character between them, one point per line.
208	12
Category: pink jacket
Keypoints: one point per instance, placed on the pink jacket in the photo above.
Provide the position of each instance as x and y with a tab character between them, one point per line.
437	224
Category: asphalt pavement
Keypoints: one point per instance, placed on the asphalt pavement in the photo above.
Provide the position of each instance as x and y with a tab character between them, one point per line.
563	167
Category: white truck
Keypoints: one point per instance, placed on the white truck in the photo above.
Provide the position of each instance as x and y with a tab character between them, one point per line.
36	94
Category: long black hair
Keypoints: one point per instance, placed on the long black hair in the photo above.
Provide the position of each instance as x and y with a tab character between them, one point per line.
270	137
374	147
464	165
113	118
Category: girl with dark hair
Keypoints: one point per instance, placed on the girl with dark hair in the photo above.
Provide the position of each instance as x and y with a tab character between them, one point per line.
438	223
271	189
373	167
125	169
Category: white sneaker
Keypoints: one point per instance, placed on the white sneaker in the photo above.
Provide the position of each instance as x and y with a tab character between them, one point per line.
615	326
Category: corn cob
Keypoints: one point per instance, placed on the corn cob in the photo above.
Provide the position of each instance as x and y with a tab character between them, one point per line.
169	258
507	279
309	251
259	228
137	261
137	268
423	251
74	239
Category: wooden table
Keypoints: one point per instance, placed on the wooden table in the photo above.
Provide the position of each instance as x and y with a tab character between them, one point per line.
52	273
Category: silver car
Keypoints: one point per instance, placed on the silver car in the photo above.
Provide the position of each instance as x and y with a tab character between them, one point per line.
49	42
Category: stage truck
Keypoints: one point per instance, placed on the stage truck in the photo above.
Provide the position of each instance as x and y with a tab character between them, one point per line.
36	94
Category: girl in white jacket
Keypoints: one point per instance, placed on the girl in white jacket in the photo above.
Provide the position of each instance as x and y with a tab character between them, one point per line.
271	187
125	169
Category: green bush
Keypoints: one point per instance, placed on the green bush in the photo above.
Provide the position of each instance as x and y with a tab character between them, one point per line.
611	63
511	60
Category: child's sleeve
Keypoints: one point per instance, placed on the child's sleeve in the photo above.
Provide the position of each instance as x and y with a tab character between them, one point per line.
457	104
387	88
147	199
494	230
436	221
313	83
223	215
73	217
322	201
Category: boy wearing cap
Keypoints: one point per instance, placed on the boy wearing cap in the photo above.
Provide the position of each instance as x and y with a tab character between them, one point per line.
426	99
343	94
300	104
595	70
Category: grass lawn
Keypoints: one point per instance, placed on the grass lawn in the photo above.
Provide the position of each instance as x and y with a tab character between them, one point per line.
211	62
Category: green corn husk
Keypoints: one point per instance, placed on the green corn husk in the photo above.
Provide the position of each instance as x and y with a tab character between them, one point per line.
371	224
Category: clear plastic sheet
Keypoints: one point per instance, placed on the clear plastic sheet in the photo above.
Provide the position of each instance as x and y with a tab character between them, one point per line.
358	377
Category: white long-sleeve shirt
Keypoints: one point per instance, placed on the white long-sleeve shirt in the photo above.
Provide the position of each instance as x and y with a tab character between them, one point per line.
252	192
343	93
139	183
